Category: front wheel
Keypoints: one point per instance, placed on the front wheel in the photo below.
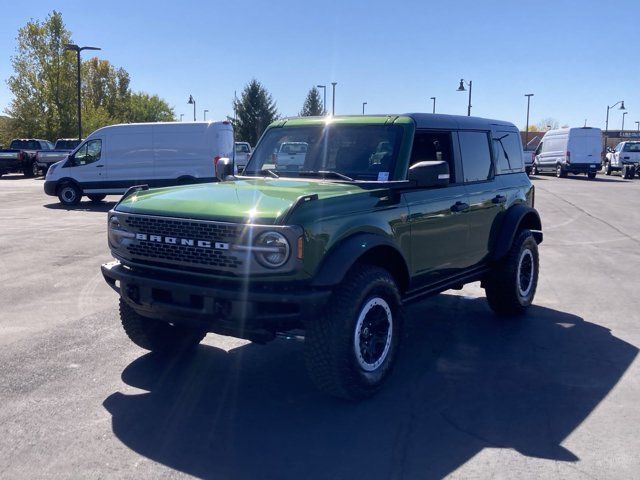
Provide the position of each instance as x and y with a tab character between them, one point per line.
69	194
350	350
511	284
156	335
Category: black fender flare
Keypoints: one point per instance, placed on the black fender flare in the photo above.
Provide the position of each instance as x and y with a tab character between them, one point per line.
516	218
341	257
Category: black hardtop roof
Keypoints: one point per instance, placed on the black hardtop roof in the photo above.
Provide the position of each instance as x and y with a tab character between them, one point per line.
439	120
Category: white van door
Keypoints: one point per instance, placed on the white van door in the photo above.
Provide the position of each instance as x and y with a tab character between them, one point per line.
130	157
585	146
87	164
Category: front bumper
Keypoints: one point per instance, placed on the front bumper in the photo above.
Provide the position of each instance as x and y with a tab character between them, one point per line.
235	308
50	187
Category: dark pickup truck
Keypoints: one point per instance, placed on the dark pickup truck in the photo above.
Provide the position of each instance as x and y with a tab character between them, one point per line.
61	150
20	157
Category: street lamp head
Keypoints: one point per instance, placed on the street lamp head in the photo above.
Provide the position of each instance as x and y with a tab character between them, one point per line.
528	94
71	46
622	105
90	48
461	86
321	86
191	100
432	98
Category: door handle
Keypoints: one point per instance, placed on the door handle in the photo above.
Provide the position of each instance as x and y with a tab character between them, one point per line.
99	166
459	207
499	199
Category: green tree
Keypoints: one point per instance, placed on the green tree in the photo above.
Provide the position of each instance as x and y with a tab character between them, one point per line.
43	93
255	110
312	104
149	108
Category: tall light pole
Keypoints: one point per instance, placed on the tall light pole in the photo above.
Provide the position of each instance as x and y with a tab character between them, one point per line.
606	124
462	89
181	115
205	115
75	48
622	129
526	130
363	104
324	98
638	125
434	104
192	101
333	99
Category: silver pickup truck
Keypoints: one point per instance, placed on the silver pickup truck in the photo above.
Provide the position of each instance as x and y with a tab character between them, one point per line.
62	148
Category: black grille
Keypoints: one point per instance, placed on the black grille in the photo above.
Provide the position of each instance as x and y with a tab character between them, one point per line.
183	254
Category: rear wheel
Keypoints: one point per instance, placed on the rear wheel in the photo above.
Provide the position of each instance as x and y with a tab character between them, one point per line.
607	168
511	284
69	194
156	335
560	172
31	170
350	350
96	198
591	175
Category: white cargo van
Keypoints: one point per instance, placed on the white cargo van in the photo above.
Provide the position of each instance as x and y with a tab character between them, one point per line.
116	157
569	150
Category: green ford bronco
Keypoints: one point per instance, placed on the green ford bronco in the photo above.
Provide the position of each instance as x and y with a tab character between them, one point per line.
368	214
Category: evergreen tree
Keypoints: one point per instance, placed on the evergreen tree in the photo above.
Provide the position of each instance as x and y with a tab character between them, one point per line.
312	104
255	110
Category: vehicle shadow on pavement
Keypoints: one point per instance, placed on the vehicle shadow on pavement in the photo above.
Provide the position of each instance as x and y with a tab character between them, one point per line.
465	381
85	206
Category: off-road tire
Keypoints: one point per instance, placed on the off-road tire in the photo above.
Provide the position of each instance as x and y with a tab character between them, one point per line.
156	335
503	286
69	194
96	198
333	348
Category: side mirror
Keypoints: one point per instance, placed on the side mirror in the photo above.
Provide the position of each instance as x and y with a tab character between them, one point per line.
224	168
430	174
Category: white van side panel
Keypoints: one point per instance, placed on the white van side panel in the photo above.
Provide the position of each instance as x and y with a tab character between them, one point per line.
182	151
130	155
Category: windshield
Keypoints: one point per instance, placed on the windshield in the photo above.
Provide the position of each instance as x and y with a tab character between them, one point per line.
357	152
67	144
631	147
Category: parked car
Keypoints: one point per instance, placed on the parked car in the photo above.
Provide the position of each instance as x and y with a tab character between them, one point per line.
62	148
625	153
330	249
117	157
290	155
20	157
569	150
242	155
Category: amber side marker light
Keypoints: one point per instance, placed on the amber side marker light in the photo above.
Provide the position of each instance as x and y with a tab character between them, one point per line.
300	249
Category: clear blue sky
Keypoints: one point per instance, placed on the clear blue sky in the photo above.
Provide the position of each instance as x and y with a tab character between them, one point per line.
576	57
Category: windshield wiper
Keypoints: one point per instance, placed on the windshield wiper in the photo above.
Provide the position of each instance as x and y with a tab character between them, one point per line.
270	172
325	173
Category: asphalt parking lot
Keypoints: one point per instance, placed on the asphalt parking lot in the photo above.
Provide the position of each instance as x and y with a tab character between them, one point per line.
553	395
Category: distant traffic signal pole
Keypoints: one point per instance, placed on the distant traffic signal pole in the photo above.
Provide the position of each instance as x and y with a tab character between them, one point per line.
75	48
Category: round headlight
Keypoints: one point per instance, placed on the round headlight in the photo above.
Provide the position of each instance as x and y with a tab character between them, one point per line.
272	249
117	233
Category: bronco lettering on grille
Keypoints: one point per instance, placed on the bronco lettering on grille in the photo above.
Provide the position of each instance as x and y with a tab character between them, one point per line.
187	242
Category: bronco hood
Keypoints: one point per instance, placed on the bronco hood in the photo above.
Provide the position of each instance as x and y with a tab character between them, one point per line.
260	200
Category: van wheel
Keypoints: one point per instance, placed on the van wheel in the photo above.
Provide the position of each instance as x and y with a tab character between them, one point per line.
96	198
350	350
69	194
156	335
607	168
511	284
560	172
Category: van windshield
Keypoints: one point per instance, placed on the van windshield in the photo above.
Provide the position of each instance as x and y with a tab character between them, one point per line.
346	152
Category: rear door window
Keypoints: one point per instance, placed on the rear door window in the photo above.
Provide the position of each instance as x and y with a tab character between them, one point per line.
431	146
476	156
507	152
